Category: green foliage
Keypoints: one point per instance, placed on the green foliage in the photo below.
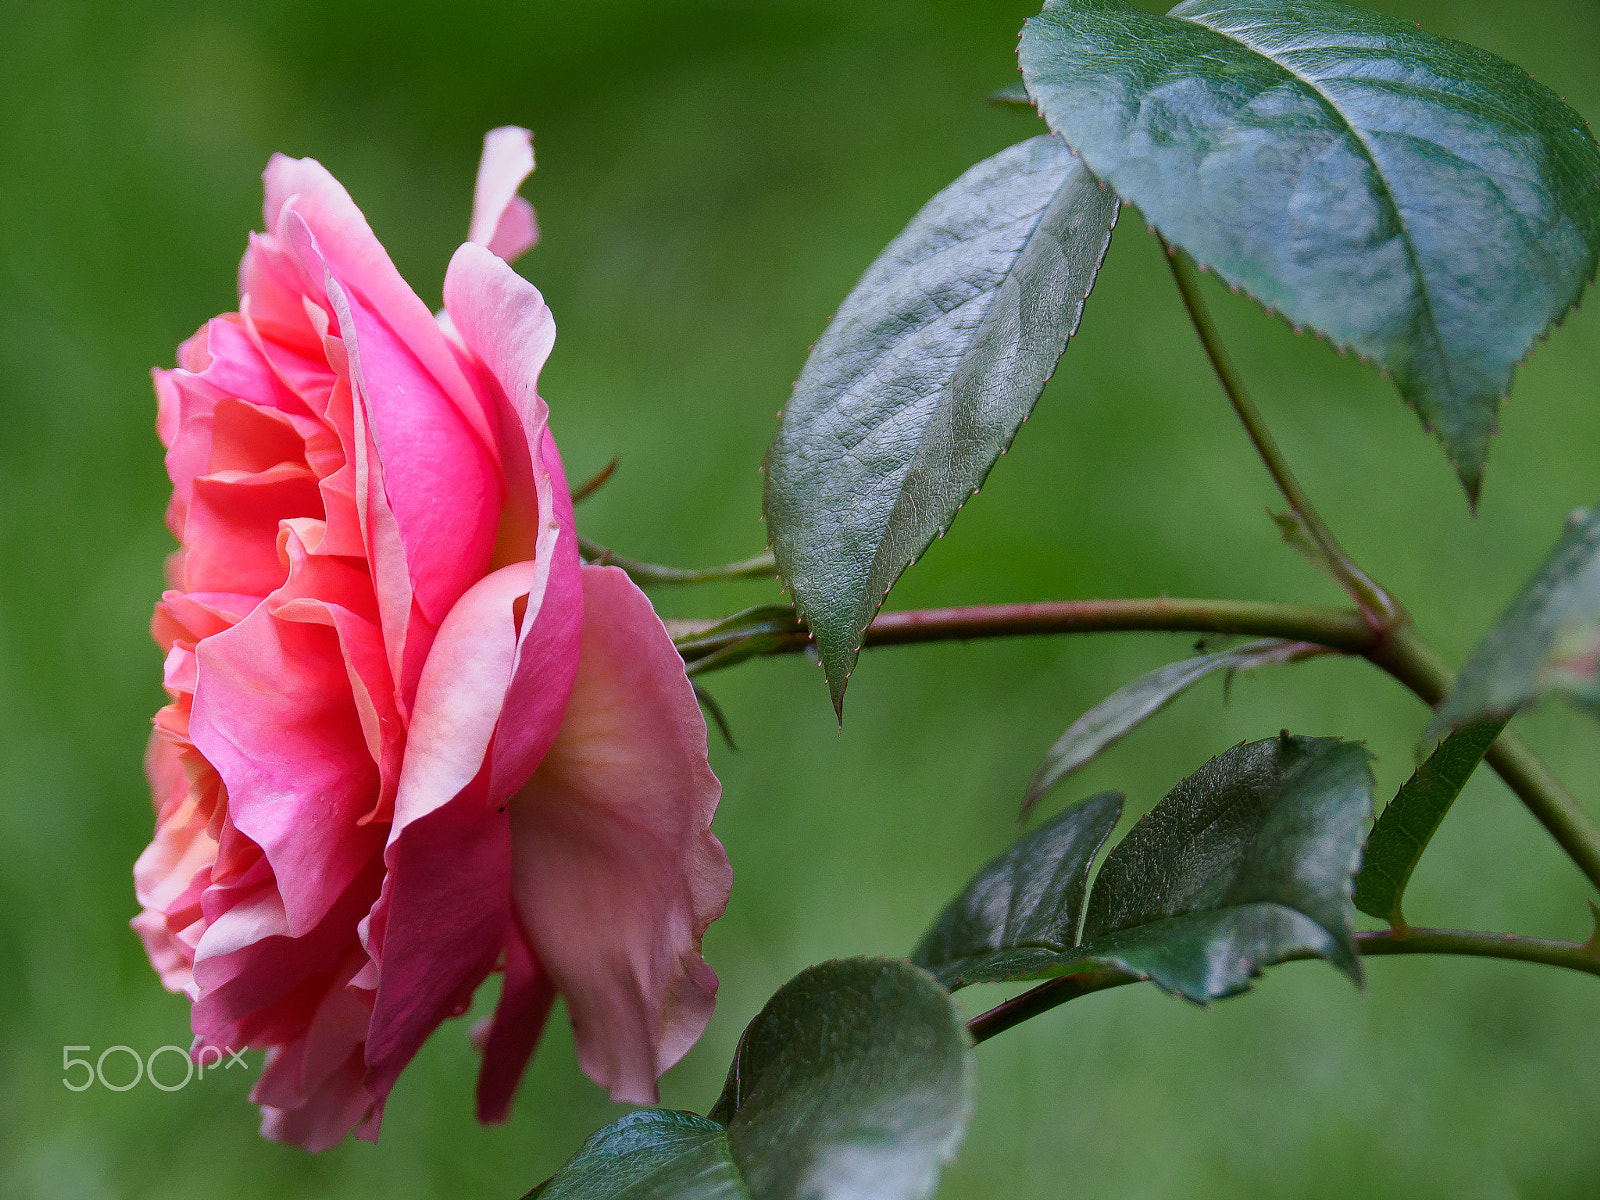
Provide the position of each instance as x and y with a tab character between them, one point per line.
1548	640
1024	907
1409	821
1246	863
1125	709
856	1080
1415	199
745	634
928	369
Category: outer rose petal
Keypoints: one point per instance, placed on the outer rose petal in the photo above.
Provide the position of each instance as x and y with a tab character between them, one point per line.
502	220
311	1092
492	694
503	320
519	1017
360	261
438	478
616	873
443	919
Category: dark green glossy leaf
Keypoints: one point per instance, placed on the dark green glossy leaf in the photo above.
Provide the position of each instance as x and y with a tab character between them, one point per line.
1125	709
1413	198
1246	863
1027	900
1408	823
656	1154
923	378
855	1081
1547	641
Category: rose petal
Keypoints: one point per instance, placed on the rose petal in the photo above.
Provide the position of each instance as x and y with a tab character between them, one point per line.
503	320
442	920
360	261
258	985
502	220
439	479
310	1089
519	1019
616	873
274	714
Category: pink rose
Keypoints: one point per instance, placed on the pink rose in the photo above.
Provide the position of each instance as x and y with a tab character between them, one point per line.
412	740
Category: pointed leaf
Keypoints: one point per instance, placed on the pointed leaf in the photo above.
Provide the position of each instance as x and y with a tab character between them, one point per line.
1413	198
923	378
1246	863
655	1154
855	1081
1125	709
1408	823
1547	641
1024	903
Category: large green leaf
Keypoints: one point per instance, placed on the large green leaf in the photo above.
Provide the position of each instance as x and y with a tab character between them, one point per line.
923	378
1246	863
856	1081
1409	821
1125	709
1547	641
1413	198
1024	907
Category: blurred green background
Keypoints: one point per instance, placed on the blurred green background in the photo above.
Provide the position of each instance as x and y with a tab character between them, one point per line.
713	178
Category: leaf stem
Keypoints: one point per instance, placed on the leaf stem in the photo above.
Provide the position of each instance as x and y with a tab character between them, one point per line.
1574	956
1380	608
757	566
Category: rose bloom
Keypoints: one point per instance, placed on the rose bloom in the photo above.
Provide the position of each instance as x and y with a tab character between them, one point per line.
412	740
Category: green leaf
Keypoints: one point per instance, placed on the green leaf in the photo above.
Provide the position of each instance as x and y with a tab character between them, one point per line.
655	1154
856	1080
930	366
707	646
1548	640
1025	905
1246	863
1410	197
1125	709
1408	823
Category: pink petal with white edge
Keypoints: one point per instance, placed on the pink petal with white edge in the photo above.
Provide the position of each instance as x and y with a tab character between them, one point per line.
442	920
438	479
360	261
616	873
503	320
502	220
505	324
